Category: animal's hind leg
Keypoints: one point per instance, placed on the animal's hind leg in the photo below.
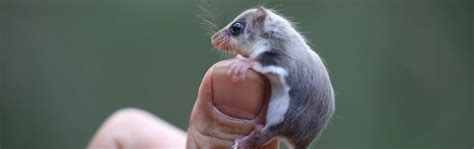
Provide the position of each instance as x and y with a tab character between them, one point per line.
256	138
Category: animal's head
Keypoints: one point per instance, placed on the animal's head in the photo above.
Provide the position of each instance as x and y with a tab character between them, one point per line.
245	32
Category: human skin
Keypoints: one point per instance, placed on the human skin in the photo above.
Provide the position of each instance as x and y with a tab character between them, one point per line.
224	110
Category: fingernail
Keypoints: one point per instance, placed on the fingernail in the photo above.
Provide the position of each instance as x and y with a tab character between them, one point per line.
240	98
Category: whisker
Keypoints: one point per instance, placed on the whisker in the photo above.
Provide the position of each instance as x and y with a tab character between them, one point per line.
209	16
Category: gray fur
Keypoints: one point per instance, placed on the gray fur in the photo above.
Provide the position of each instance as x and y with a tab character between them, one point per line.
311	94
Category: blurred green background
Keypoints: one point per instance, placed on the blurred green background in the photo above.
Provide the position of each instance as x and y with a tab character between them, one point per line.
402	69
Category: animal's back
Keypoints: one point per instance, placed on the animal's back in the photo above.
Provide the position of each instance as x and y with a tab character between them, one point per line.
311	100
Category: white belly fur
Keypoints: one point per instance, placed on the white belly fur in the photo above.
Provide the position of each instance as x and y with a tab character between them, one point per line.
279	99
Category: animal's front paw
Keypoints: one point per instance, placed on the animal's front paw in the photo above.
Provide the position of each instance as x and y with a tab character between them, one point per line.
238	67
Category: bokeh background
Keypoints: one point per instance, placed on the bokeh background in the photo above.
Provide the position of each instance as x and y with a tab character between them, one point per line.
402	69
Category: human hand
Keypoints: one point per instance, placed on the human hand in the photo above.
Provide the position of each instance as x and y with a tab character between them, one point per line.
224	111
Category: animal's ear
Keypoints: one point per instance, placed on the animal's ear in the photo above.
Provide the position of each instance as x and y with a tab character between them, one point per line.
260	15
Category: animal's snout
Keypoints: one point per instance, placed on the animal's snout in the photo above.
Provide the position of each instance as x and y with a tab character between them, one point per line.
214	37
220	41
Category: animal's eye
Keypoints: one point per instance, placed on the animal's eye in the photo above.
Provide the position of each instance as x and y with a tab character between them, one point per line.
237	28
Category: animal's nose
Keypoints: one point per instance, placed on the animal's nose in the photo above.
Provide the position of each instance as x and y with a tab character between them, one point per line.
213	37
